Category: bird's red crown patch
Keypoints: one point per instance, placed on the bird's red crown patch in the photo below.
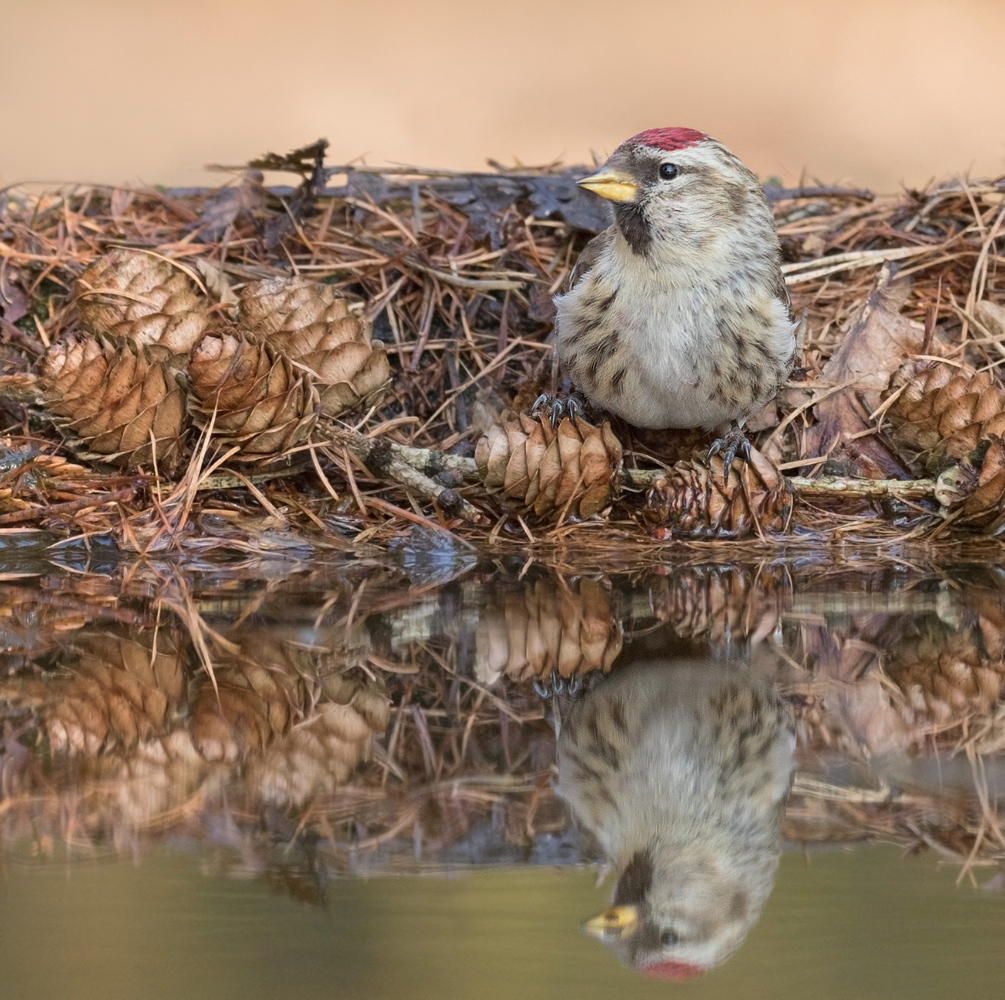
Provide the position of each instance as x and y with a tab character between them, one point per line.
669	138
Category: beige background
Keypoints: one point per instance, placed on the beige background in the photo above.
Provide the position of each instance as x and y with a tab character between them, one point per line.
137	90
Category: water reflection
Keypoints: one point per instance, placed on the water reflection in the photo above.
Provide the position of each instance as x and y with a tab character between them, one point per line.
681	771
305	722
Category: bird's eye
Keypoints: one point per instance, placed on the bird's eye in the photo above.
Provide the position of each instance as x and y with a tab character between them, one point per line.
669	938
668	171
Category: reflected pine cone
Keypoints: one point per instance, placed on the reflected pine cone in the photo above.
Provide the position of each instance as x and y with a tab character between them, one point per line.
946	410
256	703
158	777
142	298
261	402
311	324
116	403
123	688
723	605
694	500
550	626
268	688
569	467
947	677
325	748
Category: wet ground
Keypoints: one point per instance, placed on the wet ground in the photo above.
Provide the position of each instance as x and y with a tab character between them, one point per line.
261	777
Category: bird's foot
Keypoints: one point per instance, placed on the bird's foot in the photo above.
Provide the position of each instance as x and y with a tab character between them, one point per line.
546	687
559	405
734	443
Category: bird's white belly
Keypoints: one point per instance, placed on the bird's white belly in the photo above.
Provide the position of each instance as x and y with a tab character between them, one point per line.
668	384
673	367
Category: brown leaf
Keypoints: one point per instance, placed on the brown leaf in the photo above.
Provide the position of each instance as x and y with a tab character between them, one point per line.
873	349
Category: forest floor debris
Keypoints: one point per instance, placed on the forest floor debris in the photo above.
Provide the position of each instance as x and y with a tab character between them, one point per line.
363	423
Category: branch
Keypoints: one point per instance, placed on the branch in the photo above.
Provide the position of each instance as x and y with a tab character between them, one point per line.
410	466
824	486
429	462
829	486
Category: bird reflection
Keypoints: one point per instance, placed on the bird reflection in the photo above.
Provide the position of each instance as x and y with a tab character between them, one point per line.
681	771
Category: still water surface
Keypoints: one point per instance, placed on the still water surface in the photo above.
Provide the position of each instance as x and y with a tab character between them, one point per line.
846	924
375	802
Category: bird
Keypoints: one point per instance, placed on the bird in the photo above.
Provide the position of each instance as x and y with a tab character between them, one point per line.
677	315
680	770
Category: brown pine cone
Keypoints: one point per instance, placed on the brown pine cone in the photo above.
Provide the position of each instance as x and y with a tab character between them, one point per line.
142	298
694	500
311	324
571	467
946	410
119	403
976	495
151	784
252	393
549	627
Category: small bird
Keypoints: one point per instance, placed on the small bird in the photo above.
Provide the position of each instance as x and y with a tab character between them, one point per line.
681	771
677	315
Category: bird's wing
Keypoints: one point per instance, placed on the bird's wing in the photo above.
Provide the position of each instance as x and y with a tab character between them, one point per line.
780	291
589	256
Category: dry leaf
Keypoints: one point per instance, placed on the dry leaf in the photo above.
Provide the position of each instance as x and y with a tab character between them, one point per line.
877	343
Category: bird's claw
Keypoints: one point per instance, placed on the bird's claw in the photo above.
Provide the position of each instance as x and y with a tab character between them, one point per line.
555	684
735	442
558	406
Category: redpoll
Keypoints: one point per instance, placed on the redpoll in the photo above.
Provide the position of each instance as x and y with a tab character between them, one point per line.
677	315
681	771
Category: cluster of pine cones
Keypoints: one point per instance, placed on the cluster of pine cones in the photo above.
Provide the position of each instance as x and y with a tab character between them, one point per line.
151	359
152	362
300	721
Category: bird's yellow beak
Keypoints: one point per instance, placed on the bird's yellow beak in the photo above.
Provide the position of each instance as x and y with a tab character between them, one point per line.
612	184
614	923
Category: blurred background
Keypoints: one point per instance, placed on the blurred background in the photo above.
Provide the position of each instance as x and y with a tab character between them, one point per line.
876	92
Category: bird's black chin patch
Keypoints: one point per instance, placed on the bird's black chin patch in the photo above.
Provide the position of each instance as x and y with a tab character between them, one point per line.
635	880
634	227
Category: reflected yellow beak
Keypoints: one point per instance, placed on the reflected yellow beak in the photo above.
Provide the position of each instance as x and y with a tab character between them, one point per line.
612	184
614	923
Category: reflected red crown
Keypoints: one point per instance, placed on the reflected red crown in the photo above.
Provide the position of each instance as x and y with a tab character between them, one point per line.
671	972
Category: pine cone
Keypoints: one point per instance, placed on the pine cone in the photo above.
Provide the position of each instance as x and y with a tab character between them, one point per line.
549	627
946	410
312	325
976	495
253	394
569	467
142	298
695	501
118	404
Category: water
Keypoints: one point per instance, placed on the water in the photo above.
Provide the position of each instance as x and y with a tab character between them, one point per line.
368	806
847	924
